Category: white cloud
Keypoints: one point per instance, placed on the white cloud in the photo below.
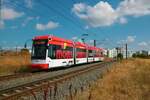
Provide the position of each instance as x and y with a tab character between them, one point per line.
143	44
29	3
1	24
9	14
80	8
134	8
87	27
49	25
120	42
91	41
28	19
130	39
102	14
123	20
74	38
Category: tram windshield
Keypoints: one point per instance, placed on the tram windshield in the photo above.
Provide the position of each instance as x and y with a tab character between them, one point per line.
39	49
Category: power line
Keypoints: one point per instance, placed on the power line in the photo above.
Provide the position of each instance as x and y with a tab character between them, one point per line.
73	16
61	14
0	9
17	5
73	1
55	11
65	8
25	8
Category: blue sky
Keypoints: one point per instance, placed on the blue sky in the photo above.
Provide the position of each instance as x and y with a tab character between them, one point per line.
111	22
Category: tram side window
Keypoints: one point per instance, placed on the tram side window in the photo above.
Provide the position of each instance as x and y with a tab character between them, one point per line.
52	51
97	53
80	53
90	53
58	52
94	53
67	52
69	49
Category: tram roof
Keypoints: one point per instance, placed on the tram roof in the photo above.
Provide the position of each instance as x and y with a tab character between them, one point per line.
58	39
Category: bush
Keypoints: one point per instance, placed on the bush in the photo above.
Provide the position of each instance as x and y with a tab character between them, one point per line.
120	56
137	55
24	69
25	51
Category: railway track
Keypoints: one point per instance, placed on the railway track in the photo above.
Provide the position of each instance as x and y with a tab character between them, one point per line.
13	76
29	88
18	75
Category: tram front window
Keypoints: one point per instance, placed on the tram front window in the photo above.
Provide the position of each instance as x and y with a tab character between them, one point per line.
39	50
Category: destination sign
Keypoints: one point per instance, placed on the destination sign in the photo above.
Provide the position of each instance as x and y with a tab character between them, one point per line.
38	42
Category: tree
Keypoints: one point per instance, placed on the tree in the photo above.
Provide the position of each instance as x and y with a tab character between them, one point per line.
120	56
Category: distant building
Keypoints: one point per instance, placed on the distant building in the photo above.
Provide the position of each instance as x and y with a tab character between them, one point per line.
129	53
105	52
148	52
112	53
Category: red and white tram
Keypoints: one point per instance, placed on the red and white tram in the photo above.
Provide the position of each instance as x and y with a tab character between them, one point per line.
50	51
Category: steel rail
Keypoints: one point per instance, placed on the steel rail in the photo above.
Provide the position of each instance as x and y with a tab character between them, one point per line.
26	89
13	76
16	75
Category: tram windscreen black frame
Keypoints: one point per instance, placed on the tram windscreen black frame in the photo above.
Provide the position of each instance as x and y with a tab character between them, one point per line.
39	48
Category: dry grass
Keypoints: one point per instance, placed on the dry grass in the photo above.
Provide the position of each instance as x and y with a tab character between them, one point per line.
127	80
11	64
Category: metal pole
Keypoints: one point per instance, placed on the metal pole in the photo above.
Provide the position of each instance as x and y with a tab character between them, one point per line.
117	52
94	43
83	40
126	51
16	49
25	45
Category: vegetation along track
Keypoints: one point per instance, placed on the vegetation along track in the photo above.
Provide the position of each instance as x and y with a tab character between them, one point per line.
27	89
